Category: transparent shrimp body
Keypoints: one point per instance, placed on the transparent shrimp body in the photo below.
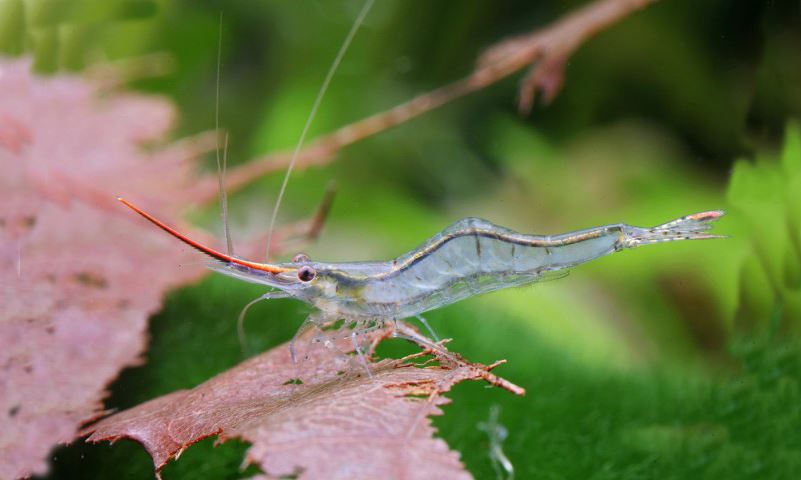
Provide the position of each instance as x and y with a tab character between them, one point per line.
474	256
470	257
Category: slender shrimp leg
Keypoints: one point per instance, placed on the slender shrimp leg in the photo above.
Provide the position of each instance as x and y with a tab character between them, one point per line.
312	321
240	322
359	352
402	330
428	327
317	321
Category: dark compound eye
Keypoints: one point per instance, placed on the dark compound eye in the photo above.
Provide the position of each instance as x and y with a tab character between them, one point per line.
306	273
301	258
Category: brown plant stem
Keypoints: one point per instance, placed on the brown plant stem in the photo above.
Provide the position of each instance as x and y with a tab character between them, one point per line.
546	50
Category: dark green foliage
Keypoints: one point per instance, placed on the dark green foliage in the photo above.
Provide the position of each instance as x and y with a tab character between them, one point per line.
575	423
767	194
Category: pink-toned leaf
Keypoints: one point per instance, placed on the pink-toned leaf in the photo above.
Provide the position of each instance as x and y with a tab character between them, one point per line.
79	275
339	423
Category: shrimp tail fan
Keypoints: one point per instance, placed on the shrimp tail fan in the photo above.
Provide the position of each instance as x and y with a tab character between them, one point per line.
689	227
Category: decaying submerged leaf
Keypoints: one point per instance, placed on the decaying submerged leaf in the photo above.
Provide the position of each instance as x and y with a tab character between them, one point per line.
79	276
337	423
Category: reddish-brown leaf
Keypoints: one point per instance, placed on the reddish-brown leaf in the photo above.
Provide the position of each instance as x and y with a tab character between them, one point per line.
333	425
79	275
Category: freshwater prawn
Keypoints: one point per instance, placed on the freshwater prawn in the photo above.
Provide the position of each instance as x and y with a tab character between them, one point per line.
470	257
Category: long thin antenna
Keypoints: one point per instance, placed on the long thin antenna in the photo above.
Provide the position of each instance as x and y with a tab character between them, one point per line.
348	39
224	198
222	167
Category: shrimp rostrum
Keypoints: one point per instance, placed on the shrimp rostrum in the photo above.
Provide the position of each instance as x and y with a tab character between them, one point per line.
470	257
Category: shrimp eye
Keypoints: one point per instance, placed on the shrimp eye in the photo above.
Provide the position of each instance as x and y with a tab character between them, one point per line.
306	273
301	258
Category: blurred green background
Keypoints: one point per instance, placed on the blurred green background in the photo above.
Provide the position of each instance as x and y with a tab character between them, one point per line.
673	361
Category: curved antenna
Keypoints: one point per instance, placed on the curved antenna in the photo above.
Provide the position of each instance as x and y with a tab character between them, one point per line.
240	322
265	267
348	39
